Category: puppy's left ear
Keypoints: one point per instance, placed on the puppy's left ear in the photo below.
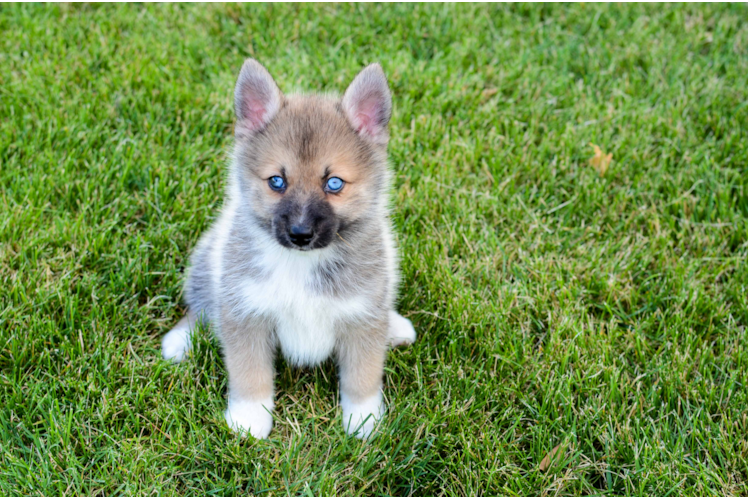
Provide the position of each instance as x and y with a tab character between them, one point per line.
367	104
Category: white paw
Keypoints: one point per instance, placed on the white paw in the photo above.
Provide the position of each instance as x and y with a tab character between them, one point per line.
359	419
177	343
253	416
401	330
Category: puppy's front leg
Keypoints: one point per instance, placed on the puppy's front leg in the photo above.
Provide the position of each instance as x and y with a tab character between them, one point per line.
248	351
361	354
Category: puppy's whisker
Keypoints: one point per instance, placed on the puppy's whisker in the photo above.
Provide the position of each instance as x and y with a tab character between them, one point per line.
343	240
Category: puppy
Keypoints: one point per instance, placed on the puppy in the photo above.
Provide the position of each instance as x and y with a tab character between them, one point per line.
301	257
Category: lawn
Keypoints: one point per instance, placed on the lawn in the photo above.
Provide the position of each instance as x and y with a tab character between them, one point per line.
558	302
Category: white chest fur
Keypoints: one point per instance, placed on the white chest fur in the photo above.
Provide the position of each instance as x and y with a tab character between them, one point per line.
305	321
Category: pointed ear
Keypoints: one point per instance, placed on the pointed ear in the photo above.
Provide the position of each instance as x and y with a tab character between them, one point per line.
367	104
256	99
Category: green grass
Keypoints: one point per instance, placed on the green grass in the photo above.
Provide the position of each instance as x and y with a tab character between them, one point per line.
554	305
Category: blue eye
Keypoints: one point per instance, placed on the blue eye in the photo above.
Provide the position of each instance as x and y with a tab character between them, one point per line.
277	183
334	184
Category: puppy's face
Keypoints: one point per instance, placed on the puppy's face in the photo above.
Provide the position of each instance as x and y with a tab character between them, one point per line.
309	174
311	167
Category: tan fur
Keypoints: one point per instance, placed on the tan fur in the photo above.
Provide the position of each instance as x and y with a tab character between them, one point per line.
248	354
361	354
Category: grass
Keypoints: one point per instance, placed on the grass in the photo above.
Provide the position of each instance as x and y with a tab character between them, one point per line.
555	306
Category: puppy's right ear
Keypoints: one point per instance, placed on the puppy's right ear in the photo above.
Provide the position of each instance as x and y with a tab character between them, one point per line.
256	99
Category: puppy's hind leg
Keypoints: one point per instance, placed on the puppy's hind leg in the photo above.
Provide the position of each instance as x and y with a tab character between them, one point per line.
401	331
178	342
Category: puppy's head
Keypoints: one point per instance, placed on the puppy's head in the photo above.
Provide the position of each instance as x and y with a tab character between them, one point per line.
312	168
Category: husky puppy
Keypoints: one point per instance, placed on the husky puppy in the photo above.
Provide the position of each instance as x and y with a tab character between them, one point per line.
301	257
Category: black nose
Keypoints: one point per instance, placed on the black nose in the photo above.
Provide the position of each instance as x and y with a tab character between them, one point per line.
301	235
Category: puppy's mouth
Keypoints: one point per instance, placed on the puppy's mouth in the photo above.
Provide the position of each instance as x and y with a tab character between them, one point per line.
301	248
